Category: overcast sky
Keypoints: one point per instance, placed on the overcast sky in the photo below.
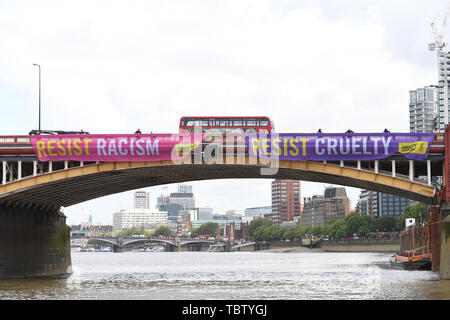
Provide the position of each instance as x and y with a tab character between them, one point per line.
115	66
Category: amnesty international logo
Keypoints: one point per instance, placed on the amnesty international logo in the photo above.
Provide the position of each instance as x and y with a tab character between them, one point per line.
184	148
419	147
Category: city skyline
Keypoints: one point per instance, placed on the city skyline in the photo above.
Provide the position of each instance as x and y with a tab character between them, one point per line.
305	65
155	192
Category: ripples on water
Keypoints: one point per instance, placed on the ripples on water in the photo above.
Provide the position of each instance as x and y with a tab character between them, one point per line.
237	275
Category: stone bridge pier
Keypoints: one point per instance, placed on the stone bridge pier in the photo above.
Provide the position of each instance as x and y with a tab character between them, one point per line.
33	243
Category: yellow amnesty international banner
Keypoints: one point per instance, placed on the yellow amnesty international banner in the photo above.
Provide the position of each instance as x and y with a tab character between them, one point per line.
419	147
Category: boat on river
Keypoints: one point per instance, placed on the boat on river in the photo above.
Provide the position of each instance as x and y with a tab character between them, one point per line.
405	262
216	248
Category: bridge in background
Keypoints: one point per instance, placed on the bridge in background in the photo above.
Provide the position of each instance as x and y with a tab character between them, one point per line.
175	243
33	192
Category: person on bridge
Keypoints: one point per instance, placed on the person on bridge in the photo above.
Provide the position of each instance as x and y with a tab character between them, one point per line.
138	131
349	131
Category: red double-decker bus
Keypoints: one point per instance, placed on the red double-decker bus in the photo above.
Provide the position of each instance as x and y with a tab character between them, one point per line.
228	124
16	145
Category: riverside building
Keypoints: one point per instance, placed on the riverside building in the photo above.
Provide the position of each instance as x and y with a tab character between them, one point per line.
286	198
142	219
320	210
378	204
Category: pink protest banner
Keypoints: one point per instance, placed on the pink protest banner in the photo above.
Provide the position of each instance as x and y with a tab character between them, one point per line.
113	148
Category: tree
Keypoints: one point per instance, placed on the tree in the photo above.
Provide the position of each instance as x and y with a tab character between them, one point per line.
256	223
417	211
317	231
210	229
354	222
163	230
259	232
386	223
336	228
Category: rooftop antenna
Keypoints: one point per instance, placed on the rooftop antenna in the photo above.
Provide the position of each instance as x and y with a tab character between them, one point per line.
438	45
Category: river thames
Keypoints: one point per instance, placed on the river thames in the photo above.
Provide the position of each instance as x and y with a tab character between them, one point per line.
261	275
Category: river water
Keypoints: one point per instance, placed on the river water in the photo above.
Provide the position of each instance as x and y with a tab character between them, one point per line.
237	275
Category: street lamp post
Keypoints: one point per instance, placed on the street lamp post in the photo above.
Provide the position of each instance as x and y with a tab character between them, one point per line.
35	64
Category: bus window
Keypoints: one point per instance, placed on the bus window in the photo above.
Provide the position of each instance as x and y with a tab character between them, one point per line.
205	123
197	123
188	122
251	123
263	123
223	123
212	123
237	123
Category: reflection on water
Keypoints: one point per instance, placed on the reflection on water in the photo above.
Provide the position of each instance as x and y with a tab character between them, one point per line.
237	275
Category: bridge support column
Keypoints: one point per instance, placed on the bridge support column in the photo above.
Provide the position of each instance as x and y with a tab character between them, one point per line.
435	219
444	270
33	243
117	248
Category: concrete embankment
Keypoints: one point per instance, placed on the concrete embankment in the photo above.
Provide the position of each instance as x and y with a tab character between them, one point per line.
361	248
293	249
344	246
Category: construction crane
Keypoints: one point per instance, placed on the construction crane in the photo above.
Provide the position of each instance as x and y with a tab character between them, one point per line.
438	45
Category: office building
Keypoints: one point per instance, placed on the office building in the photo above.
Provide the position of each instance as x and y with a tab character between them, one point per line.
222	222
320	210
141	200
423	106
184	188
286	199
233	214
257	211
187	215
142	219
205	213
184	199
377	204
162	200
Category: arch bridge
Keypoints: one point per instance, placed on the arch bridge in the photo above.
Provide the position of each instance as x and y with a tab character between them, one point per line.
33	192
174	242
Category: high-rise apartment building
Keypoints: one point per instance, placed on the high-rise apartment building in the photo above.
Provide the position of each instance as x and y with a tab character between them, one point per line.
141	200
443	89
423	106
286	199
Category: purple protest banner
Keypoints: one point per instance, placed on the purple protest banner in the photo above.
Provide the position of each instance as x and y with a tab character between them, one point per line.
338	146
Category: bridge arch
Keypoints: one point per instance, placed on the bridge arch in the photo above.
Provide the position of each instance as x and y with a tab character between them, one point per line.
78	184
